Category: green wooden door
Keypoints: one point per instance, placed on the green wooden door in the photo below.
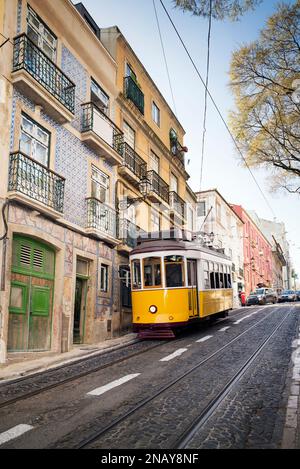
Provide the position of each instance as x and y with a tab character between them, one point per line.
31	295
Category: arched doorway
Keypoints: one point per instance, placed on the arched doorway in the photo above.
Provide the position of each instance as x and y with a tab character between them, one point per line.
31	295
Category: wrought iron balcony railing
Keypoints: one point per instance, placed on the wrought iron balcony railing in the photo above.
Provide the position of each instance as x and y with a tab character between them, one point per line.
177	150
158	185
128	232
177	203
36	181
101	217
93	119
134	162
133	92
31	58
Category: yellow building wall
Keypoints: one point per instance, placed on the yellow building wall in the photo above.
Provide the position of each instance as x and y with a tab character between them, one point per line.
144	143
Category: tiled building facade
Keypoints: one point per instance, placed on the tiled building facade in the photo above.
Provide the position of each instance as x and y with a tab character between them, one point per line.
63	256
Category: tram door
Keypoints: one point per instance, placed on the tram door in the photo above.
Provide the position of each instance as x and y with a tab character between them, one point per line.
193	287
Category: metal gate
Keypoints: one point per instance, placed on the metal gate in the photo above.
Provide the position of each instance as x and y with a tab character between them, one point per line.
31	295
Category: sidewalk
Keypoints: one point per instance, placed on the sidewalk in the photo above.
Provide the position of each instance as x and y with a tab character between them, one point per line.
291	435
18	364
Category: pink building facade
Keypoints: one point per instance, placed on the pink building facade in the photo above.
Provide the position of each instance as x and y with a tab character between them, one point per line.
257	254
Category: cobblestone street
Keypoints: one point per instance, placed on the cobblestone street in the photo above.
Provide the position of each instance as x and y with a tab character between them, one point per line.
228	384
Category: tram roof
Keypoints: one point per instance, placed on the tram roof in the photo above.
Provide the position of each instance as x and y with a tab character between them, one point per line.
155	245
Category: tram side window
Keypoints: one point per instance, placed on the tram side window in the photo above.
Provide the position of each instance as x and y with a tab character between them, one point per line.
212	276
217	277
206	276
222	283
225	277
152	272
136	275
174	267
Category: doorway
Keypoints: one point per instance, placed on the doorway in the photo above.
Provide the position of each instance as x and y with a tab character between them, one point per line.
193	287
31	296
79	310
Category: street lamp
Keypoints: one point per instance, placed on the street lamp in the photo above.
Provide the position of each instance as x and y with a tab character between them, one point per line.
144	188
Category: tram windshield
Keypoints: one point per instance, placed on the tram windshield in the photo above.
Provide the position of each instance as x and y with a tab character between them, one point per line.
174	268
152	272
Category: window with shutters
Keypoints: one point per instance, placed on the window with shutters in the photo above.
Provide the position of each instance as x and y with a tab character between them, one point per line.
173	183
99	97
32	258
41	35
201	208
154	162
129	135
100	185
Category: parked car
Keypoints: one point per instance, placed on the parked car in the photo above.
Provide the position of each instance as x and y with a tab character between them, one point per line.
298	294
287	295
262	296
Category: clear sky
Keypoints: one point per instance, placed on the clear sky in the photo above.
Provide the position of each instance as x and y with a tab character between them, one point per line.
222	169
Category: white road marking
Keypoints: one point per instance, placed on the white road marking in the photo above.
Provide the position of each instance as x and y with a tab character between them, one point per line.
204	338
178	352
14	432
113	384
240	320
224	329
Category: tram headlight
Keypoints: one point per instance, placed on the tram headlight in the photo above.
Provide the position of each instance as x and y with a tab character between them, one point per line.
153	309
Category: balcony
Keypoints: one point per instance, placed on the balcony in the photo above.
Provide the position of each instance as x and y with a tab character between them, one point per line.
101	134
178	150
35	75
101	220
177	204
159	190
128	233
35	185
133	166
133	92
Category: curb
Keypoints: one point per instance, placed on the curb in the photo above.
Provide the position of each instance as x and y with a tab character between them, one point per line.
16	376
289	440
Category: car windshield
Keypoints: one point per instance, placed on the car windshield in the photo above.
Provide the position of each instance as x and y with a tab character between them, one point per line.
259	291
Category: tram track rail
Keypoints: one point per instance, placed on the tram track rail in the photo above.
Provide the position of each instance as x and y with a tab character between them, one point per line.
105	430
32	378
185	438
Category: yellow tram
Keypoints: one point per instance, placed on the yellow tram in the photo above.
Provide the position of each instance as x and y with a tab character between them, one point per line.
176	282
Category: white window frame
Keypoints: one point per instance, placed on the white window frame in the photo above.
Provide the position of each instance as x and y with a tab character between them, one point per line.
173	183
154	218
201	204
155	114
129	134
154	161
35	139
43	32
104	287
96	176
102	97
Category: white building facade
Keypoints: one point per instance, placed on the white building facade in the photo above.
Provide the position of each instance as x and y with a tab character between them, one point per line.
221	226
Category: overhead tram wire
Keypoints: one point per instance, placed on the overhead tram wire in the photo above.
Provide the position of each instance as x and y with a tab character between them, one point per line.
205	95
164	54
217	108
